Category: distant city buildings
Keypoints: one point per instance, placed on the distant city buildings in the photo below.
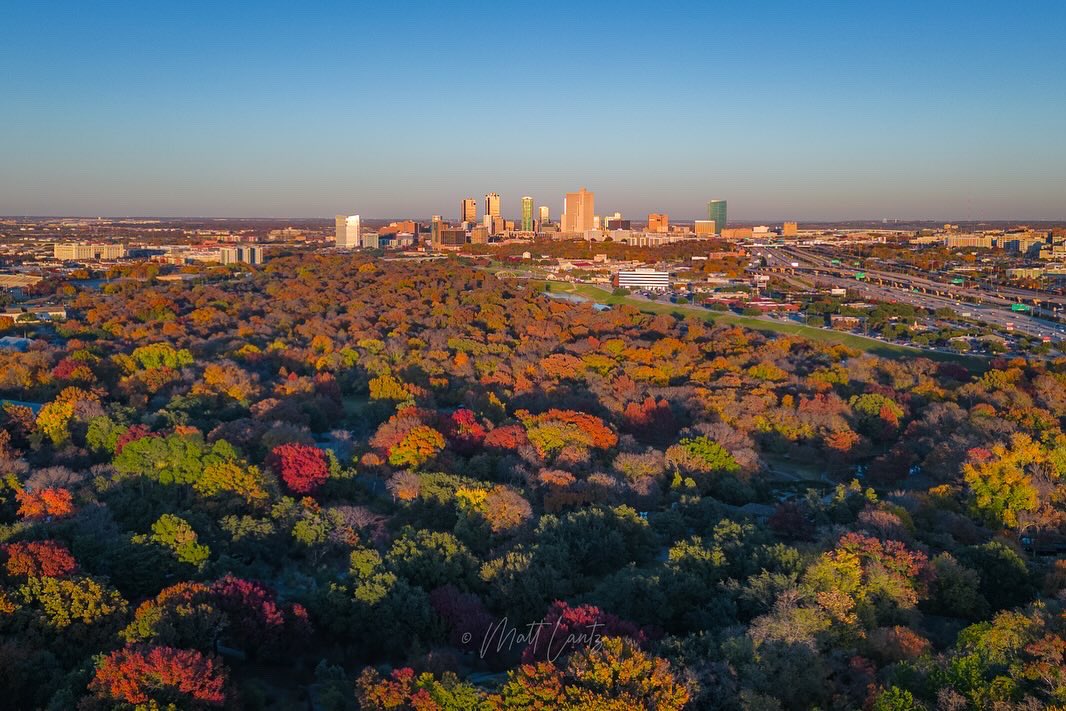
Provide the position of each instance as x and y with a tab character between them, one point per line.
241	255
285	234
716	211
705	228
789	229
452	237
579	211
545	215
468	211
369	240
434	230
348	231
492	205
81	252
527	214
658	222
409	227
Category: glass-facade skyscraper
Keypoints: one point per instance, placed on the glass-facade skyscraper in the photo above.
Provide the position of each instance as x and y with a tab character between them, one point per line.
716	212
527	214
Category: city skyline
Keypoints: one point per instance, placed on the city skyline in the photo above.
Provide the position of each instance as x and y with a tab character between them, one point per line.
793	112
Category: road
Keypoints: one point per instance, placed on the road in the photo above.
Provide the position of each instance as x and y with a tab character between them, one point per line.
882	285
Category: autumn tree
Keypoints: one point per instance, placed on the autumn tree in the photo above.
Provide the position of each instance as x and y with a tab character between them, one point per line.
1000	481
404	690
614	676
417	447
302	467
37	559
160	677
50	502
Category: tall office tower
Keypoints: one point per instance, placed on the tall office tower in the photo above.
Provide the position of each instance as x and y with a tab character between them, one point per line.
545	215
658	222
579	211
716	212
340	229
434	230
527	214
492	204
468	210
348	229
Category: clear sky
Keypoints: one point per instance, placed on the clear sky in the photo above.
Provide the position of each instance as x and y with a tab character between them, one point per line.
809	110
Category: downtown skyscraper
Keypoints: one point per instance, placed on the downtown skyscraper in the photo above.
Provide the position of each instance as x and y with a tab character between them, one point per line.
492	205
717	213
579	211
348	231
468	210
527	214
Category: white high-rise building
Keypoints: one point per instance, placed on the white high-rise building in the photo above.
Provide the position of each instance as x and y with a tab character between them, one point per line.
348	231
238	255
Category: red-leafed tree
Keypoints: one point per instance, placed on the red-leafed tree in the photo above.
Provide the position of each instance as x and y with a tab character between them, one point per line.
256	622
508	437
39	559
650	421
302	467
158	676
132	434
72	370
464	432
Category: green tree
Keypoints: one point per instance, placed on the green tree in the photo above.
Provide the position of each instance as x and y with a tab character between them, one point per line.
175	533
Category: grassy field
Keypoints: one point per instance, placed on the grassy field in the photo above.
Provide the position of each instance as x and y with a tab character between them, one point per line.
825	335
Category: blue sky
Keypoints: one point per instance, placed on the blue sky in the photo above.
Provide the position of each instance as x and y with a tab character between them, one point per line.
806	110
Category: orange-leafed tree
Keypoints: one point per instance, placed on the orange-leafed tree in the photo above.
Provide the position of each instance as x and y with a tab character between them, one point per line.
155	677
612	676
53	502
38	559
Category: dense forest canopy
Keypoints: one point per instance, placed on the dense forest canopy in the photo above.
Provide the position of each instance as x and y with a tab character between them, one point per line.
381	485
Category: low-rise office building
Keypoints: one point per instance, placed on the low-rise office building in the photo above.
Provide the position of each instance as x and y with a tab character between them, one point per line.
642	279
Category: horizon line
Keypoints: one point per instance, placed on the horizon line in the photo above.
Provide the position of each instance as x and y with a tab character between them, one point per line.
882	220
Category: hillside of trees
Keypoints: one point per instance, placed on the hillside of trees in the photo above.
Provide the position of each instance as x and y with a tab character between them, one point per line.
374	485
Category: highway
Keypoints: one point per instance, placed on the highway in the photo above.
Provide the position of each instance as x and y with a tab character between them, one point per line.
882	285
1052	304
